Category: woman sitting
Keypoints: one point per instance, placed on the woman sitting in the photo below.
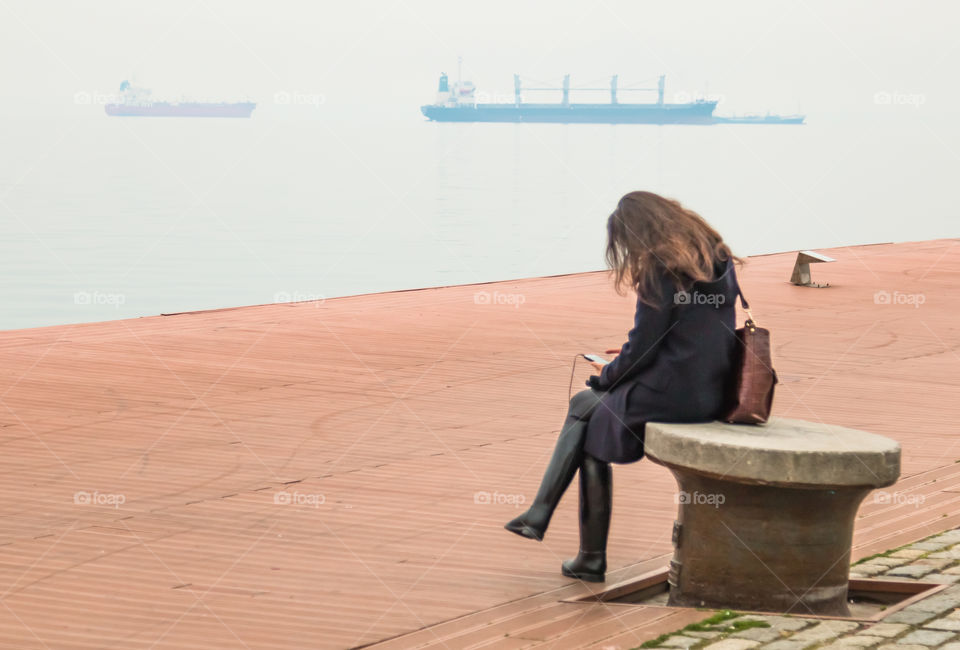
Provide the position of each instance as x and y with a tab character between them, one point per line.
673	367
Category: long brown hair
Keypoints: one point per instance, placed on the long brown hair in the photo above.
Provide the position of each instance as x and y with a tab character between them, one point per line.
648	235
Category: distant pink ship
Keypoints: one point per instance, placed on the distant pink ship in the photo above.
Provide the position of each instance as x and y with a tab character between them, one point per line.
136	102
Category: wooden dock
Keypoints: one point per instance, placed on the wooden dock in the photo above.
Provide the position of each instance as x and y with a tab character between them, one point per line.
335	474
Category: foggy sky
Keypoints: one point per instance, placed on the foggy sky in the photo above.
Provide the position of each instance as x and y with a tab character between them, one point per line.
382	58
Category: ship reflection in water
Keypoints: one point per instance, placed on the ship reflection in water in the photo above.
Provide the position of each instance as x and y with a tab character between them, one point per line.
138	102
456	102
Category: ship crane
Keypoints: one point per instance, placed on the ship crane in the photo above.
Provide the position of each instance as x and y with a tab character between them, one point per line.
518	89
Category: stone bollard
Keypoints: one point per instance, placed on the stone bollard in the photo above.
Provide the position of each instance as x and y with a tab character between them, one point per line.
766	512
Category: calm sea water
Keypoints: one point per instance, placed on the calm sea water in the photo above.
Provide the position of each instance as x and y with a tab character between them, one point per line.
107	218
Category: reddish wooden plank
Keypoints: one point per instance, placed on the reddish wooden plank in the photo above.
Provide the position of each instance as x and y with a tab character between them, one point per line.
389	413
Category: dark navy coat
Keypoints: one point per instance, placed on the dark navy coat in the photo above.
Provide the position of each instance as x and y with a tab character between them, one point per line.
675	366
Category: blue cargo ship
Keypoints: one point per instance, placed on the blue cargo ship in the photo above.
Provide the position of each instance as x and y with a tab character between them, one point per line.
457	102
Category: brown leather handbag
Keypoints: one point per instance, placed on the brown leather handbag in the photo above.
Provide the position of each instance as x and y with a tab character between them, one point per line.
753	377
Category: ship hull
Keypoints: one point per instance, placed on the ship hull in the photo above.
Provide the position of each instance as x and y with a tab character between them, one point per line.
694	113
240	109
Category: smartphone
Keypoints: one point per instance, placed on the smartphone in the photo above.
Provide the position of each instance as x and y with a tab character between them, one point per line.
595	358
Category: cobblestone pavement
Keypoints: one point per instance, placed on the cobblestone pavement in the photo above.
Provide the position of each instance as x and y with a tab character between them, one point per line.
932	622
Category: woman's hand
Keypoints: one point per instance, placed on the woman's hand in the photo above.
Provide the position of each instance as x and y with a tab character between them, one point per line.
598	367
614	352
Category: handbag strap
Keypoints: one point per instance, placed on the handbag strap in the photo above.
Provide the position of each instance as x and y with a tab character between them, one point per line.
751	324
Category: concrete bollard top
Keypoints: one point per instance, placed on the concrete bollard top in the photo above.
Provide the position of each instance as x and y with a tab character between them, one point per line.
783	452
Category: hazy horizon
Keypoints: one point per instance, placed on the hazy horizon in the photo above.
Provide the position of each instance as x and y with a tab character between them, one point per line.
823	57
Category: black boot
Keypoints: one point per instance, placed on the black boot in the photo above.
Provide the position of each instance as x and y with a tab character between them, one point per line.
596	492
567	457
